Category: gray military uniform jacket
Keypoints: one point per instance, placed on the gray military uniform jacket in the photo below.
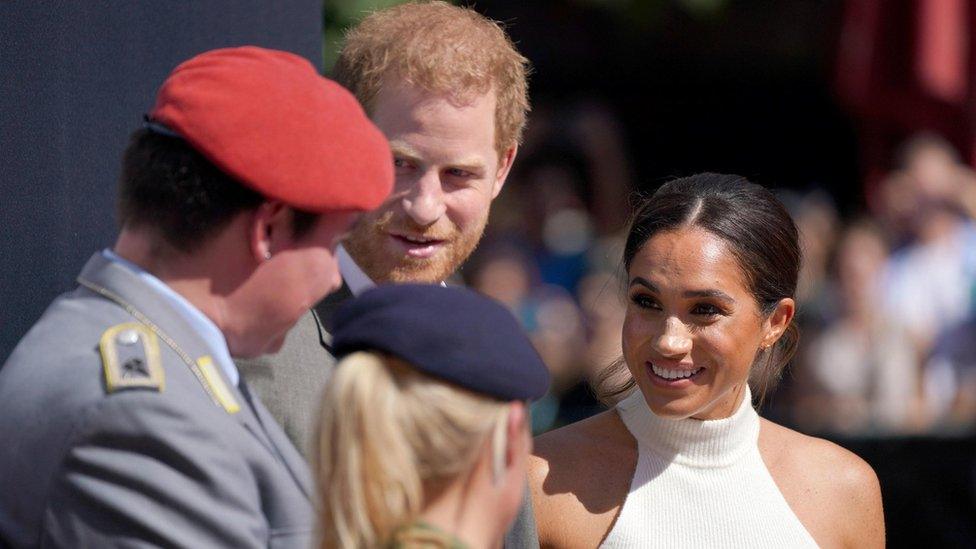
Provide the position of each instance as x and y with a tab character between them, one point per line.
292	380
118	430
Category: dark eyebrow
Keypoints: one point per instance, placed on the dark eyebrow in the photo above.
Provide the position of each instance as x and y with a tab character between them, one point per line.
718	294
472	167
643	282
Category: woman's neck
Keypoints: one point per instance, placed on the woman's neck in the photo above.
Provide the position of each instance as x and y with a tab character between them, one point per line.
460	510
708	443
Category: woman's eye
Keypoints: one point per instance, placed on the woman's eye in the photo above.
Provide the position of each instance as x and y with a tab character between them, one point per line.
706	309
644	301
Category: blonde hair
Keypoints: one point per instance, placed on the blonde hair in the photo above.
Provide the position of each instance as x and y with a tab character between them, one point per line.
390	438
442	49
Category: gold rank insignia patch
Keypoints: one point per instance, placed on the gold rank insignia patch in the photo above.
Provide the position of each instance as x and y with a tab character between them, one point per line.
215	383
130	358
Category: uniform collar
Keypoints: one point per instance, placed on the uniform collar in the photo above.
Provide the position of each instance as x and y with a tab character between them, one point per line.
203	326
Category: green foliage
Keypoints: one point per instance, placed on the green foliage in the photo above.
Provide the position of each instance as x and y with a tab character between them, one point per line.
339	15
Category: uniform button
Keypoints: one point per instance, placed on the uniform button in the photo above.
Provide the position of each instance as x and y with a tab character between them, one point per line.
128	337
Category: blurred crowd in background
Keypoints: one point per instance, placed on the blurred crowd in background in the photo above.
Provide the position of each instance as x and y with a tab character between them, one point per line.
888	303
850	109
887	298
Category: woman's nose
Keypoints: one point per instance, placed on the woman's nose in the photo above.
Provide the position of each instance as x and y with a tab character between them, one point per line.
674	340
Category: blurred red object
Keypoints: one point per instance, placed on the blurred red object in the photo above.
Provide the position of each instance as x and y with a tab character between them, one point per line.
905	67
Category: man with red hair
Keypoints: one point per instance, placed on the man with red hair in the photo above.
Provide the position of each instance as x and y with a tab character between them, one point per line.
449	90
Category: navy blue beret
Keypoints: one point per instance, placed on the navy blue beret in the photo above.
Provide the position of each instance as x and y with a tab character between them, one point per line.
451	333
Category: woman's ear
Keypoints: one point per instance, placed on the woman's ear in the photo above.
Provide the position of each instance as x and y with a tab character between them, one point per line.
777	322
267	230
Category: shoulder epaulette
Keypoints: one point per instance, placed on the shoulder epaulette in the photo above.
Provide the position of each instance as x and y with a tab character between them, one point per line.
215	386
130	358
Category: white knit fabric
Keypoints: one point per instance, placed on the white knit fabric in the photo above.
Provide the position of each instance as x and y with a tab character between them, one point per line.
701	484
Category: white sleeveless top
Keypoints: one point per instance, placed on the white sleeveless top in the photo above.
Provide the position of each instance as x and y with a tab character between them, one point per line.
701	484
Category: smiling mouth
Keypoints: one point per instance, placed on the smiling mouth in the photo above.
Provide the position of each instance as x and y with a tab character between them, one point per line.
420	240
418	246
668	374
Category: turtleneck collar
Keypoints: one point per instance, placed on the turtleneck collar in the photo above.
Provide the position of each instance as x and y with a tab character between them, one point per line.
693	442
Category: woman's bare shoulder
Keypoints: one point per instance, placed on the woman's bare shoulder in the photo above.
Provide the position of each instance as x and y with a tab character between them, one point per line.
569	456
833	492
593	433
579	476
837	467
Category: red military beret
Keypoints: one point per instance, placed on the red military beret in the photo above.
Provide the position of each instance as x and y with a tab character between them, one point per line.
268	119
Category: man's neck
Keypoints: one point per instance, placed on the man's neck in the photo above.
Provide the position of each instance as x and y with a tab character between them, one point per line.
190	276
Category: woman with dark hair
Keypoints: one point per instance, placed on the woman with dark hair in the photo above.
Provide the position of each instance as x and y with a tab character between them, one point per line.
683	459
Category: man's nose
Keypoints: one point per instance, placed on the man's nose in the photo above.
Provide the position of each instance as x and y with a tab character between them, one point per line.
424	203
333	276
674	340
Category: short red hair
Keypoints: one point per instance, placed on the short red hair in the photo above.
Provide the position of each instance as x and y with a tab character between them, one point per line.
443	49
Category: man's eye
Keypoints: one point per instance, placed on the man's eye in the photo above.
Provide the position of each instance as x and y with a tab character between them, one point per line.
457	172
400	163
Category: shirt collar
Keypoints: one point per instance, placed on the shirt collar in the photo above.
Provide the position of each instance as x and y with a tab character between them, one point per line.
354	277
203	326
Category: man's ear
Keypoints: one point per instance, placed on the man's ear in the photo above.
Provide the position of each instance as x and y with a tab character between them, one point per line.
268	230
778	321
504	168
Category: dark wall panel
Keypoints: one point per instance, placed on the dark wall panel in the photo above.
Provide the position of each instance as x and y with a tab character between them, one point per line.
77	77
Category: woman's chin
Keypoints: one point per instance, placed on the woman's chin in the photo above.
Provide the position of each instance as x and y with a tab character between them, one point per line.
670	406
702	403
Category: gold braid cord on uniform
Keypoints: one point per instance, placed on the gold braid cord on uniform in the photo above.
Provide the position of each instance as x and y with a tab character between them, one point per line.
208	384
421	535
